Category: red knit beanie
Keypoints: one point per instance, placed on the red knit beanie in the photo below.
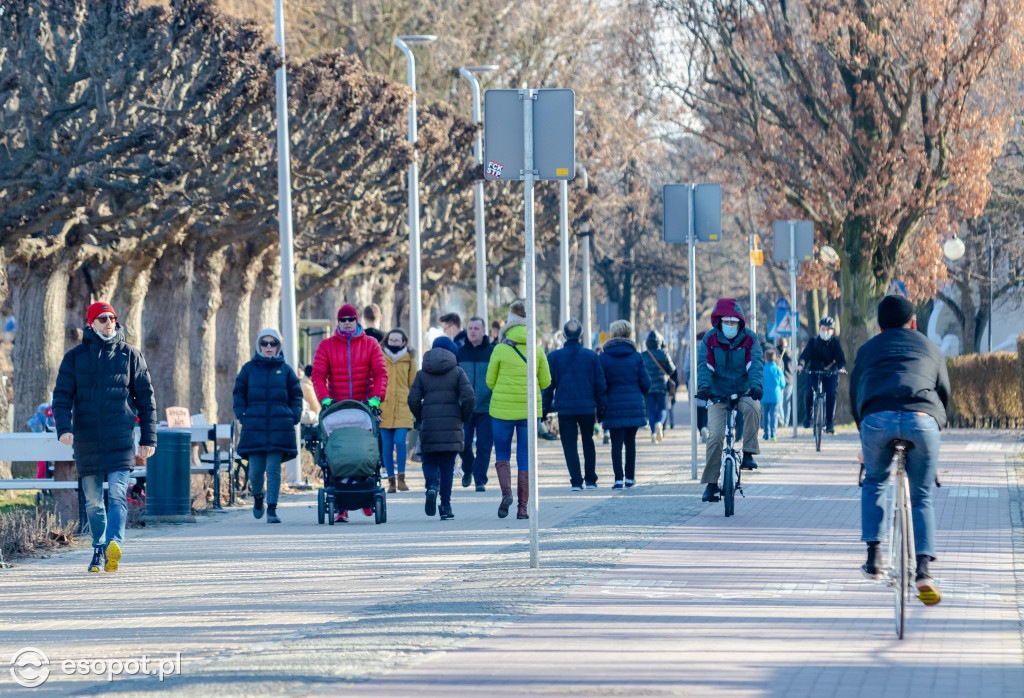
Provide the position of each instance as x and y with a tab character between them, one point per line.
348	310
97	309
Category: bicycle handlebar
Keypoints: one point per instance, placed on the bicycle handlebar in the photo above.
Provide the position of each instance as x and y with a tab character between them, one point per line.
735	396
825	372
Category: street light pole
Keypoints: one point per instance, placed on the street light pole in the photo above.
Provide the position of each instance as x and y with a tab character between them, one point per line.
470	72
585	237
991	274
405	44
289	326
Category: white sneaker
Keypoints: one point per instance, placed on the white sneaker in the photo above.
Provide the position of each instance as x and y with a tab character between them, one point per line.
659	432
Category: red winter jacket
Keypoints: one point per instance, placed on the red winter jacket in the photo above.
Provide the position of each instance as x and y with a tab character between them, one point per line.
349	368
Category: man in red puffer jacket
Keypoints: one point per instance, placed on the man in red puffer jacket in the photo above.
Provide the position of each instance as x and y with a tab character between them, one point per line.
349	365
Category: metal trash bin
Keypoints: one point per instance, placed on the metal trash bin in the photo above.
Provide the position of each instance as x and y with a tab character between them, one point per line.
168	477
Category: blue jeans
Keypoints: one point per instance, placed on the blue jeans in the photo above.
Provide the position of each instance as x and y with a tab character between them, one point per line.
503	430
769	418
104	528
876	431
393	443
655	409
439	471
269	463
480	422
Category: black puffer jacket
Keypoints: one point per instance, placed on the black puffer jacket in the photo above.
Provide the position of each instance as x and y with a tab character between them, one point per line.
100	388
441	399
268	403
899	370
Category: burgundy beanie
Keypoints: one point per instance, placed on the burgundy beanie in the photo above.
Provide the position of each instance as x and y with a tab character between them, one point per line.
348	310
97	309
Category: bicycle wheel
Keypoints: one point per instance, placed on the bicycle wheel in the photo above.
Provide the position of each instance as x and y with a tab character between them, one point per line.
729	485
900	570
819	421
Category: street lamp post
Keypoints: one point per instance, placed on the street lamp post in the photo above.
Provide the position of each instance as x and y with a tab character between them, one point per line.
289	325
585	236
990	280
405	43
470	72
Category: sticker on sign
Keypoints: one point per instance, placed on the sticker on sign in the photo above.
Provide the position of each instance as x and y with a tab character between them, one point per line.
494	169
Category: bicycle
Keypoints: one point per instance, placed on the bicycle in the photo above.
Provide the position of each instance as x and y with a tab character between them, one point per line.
818	405
898	534
731	483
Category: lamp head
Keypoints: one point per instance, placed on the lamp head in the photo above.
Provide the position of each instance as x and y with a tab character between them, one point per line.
954	249
417	39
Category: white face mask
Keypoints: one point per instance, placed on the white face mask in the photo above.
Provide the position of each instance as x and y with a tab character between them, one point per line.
730	331
825	335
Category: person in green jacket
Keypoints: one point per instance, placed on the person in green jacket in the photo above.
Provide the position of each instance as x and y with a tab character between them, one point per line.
506	377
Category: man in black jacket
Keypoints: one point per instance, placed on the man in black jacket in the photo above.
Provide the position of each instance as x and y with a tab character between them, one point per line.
899	389
473	357
101	386
822	353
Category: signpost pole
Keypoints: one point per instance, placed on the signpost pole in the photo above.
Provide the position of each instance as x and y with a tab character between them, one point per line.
753	288
531	321
792	313
588	332
691	237
563	226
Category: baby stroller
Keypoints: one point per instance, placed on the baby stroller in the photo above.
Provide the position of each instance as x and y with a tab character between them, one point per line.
347	447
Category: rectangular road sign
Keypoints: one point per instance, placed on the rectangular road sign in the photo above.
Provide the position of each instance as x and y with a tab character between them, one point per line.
554	134
707	199
673	293
804	231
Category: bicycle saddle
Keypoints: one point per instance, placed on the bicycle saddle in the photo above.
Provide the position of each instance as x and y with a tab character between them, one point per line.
907	445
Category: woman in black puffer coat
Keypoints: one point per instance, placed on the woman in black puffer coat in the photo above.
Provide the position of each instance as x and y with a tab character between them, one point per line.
268	403
441	399
660	368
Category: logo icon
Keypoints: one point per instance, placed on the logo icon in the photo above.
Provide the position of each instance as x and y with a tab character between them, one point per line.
30	667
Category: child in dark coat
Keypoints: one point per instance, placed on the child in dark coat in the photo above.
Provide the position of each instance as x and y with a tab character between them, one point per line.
441	399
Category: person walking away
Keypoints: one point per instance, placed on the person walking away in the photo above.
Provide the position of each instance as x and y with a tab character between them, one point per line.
578	394
786	404
442	399
451	323
729	362
628	381
495	331
349	365
268	404
773	382
900	389
103	388
661	370
506	377
473	358
822	353
371	318
395	416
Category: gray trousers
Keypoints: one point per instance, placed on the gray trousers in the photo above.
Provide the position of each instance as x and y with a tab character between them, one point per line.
269	463
751	410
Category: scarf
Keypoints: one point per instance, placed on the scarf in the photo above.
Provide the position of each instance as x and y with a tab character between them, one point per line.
395	356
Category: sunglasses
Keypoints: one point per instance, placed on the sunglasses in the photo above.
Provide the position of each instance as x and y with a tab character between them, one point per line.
347	319
107	318
268	344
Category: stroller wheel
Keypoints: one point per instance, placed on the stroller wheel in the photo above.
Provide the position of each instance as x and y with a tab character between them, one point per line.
321	506
380	509
330	511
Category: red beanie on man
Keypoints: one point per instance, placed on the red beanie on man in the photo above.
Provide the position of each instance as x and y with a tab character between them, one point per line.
97	309
348	310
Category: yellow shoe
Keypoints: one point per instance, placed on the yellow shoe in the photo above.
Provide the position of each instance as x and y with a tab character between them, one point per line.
113	555
97	559
928	591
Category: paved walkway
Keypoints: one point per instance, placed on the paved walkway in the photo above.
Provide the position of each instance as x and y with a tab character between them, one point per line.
641	592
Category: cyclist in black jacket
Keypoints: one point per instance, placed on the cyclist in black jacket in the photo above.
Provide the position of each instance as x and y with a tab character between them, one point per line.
899	389
822	353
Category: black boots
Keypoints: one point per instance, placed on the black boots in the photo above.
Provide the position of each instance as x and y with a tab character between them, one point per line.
711	493
257	507
872	569
272	514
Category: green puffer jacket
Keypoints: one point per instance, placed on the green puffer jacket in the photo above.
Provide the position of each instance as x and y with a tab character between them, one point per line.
506	375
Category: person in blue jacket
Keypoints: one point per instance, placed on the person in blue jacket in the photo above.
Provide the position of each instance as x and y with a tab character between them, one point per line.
774	382
268	403
473	358
628	382
577	394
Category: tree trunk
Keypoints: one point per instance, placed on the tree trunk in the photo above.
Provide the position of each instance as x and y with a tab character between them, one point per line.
40	297
206	301
235	341
165	327
265	306
130	296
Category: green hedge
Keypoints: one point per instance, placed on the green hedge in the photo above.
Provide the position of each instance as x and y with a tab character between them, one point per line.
987	390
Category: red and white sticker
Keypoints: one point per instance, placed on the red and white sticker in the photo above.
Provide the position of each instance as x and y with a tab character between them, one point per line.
494	169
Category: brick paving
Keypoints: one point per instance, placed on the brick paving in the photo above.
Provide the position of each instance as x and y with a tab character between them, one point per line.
642	592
